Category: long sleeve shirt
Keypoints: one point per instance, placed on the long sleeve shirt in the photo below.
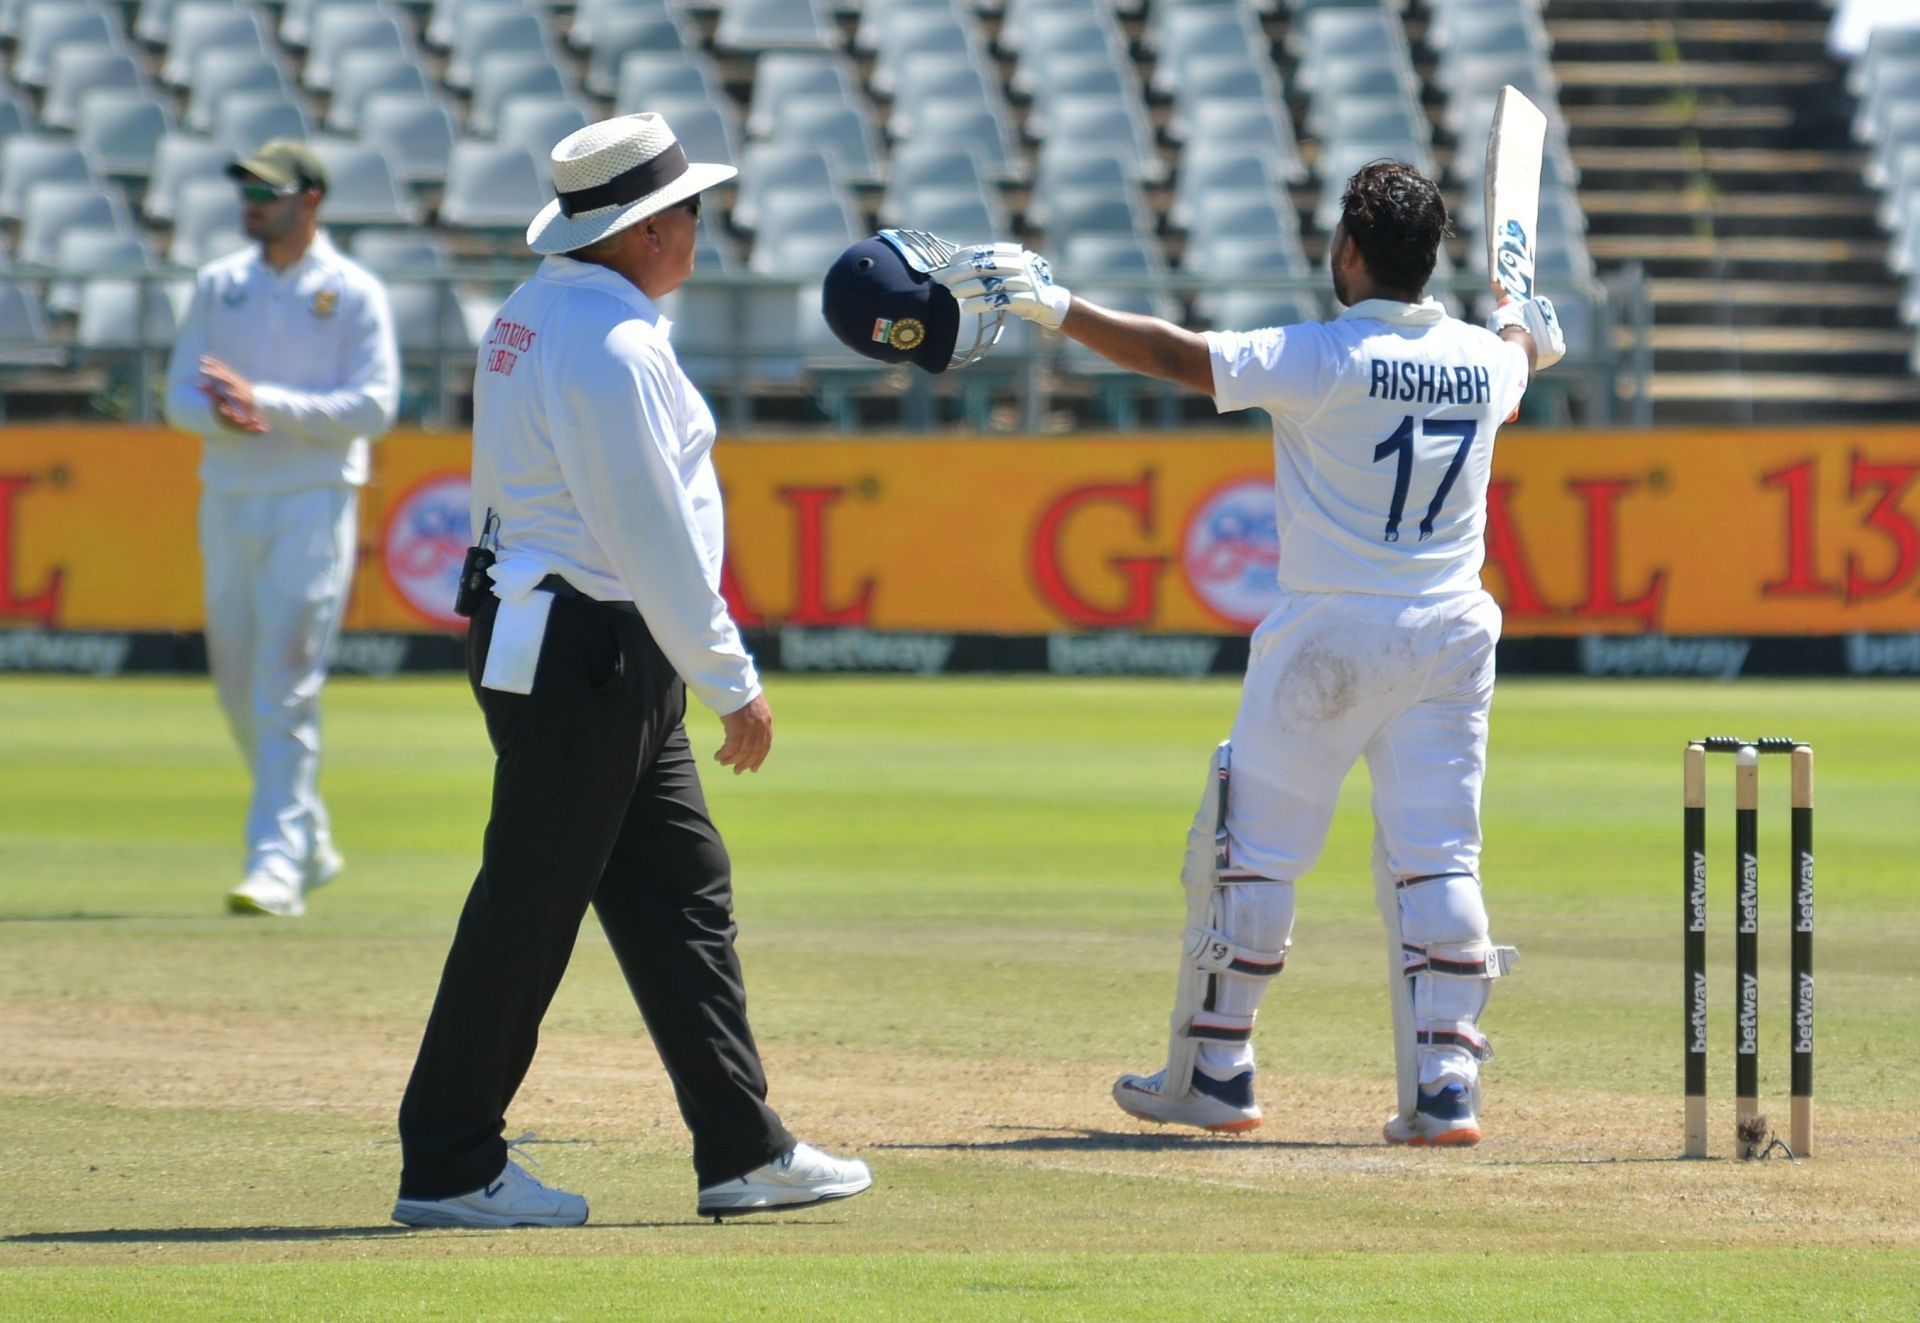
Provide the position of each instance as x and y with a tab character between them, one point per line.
595	451
316	341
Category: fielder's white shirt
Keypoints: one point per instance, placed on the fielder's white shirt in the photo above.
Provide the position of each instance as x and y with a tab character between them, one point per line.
316	341
1383	429
595	450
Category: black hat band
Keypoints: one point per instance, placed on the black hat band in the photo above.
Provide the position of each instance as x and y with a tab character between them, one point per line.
629	185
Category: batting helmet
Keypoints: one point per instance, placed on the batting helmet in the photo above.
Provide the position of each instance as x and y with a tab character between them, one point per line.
882	302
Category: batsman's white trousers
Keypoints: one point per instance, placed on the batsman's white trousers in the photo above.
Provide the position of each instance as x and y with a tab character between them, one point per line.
1405	683
277	568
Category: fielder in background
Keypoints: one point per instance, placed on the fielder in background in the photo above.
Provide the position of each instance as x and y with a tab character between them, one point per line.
286	364
594	590
1382	645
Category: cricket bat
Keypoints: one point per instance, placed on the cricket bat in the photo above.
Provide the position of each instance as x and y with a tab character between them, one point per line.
1514	149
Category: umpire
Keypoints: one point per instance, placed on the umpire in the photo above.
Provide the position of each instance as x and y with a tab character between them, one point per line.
594	486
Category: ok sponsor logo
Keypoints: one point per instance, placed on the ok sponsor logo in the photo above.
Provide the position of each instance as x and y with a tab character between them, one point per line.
1697	892
1749	1035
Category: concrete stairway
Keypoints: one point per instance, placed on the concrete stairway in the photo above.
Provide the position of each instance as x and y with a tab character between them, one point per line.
1712	138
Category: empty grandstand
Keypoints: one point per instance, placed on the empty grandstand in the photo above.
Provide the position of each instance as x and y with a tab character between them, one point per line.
1717	196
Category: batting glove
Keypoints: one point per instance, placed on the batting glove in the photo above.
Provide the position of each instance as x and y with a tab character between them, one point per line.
1004	277
1537	318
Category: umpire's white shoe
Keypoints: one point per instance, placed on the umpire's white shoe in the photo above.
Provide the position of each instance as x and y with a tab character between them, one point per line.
513	1199
804	1176
267	893
322	866
1223	1105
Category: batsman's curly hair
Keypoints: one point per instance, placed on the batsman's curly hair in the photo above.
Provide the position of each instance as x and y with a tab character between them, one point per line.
1398	218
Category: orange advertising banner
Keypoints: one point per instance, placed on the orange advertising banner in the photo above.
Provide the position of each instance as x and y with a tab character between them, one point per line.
1751	531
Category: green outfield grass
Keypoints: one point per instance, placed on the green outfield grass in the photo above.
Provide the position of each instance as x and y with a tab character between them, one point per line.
958	901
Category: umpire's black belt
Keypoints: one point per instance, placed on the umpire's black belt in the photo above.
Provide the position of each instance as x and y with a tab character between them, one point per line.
559	587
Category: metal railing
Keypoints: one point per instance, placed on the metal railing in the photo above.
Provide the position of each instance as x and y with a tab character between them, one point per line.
758	349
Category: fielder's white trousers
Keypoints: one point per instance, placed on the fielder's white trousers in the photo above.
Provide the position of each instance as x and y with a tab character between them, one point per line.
1405	683
277	569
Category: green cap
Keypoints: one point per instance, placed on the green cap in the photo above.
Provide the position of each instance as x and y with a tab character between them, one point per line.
283	163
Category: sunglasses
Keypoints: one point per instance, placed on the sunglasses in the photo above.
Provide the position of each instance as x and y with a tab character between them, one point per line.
266	192
692	204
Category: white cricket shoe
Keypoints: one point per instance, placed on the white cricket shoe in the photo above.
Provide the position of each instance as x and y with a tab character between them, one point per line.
1441	1119
804	1176
267	893
513	1199
1222	1105
322	866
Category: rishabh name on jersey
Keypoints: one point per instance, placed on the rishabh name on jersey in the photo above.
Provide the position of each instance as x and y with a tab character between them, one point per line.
1383	424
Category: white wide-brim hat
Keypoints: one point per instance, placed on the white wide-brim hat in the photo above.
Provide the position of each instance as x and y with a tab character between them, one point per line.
614	174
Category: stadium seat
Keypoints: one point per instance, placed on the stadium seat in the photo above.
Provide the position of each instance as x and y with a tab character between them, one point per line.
415	132
588	14
938	79
361	188
907	31
959	213
538	123
917	167
361	74
975	127
153	21
505	74
1901	129
50	26
296	19
765	25
647	74
492	186
244	120
1197	34
121	130
124	314
179	159
1489	29
788	216
53	208
1207	168
397	252
1108	126
839	128
787	167
621	34
28	159
202	25
1096	210
1886	45
23	329
1250	124
426	315
206	222
222	70
339	29
869	32
1087	32
780	76
1228	78
1067	172
493	27
1377	119
78	70
93	251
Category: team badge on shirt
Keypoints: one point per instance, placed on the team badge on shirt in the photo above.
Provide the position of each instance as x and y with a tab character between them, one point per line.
906	333
325	302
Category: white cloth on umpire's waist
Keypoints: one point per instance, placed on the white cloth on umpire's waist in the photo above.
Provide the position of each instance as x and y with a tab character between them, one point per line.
519	626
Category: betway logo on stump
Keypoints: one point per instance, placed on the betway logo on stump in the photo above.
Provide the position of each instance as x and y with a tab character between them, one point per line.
1697	1015
1803	1015
1697	892
1749	1040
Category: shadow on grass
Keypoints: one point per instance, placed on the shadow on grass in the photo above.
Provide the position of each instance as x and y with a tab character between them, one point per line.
1098	1141
288	1235
61	918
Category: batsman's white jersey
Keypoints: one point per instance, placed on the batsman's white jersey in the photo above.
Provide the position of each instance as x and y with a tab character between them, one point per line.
1383	427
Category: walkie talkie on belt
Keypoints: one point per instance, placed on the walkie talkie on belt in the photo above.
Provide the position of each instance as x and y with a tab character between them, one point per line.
474	583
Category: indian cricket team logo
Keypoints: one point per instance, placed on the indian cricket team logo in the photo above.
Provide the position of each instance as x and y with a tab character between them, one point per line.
425	543
905	333
1231	551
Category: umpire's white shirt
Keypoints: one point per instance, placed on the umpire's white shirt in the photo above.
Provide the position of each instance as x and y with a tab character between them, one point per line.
316	341
1383	428
595	450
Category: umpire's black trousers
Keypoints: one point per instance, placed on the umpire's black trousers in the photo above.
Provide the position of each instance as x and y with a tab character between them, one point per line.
596	800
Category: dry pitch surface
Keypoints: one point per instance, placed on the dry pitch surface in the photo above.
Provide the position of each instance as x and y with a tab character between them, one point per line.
214	1095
